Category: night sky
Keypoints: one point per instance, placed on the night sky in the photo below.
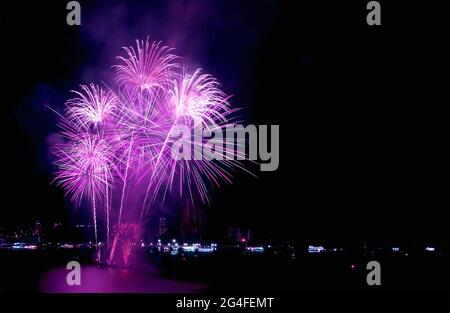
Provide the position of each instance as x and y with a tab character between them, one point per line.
359	108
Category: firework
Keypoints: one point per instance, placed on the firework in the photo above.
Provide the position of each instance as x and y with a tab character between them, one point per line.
85	170
147	67
92	106
122	135
85	167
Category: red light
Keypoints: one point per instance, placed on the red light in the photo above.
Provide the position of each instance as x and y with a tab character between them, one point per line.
353	266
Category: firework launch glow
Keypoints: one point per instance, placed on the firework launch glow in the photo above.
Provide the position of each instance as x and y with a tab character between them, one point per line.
119	139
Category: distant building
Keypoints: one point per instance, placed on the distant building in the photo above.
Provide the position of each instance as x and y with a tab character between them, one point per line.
191	226
162	228
37	232
240	234
38	228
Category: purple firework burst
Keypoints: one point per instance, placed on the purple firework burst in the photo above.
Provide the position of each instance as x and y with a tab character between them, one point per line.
122	136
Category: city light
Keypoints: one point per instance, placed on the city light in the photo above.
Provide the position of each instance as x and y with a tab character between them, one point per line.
314	249
257	249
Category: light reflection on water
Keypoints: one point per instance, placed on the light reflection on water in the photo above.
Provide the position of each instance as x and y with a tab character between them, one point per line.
95	279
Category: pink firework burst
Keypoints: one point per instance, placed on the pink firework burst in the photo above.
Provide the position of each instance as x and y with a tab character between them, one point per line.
92	106
85	166
147	67
197	97
126	134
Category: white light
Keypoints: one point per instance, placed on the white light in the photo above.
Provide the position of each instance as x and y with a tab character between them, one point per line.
430	249
314	249
255	249
189	248
207	250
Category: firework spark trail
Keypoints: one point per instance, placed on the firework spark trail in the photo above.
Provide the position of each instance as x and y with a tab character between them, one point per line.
108	209
127	165
94	213
113	134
